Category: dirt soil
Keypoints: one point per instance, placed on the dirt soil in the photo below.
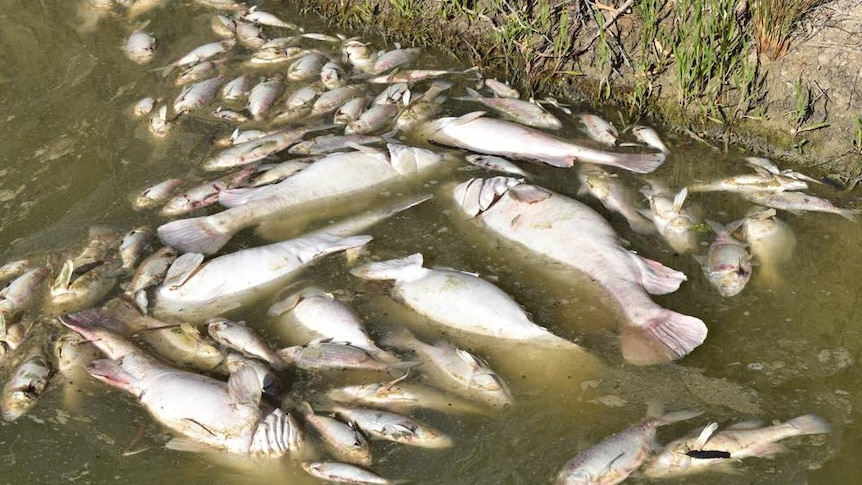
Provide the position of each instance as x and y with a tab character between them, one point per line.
824	59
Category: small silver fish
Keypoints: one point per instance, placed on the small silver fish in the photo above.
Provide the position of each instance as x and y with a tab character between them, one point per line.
501	89
238	88
771	242
263	95
650	137
343	473
524	112
599	130
144	107
395	58
326	355
762	181
243	339
197	95
384	425
156	194
133	244
727	265
675	223
140	47
343	441
796	202
25	385
307	66
614	195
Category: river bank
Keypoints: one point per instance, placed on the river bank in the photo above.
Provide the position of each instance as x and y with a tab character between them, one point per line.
784	84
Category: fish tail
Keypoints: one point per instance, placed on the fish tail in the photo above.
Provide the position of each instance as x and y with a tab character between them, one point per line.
635	162
94	318
664	337
849	214
810	424
195	235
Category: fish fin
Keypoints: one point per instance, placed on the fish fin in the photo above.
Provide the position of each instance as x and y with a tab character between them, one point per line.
244	386
716	227
810	424
94	318
664	337
463	119
637	162
236	197
849	214
65	277
529	193
656	278
187	444
284	305
182	269
408	267
195	235
677	416
749	424
704	436
679	199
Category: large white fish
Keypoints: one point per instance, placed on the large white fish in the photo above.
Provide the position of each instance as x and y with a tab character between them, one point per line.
206	412
612	460
499	137
460	300
727	264
221	284
569	232
771	242
704	450
338	174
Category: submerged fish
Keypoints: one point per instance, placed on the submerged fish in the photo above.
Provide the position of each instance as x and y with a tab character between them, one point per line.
796	202
499	137
614	195
524	112
727	265
384	425
612	460
705	450
771	242
571	233
676	224
26	383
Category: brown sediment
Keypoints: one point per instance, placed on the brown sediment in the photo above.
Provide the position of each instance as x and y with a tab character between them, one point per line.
804	106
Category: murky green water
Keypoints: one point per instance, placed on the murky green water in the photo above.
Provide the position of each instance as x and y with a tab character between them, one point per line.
70	155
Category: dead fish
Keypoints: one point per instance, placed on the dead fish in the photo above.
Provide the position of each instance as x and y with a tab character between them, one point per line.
132	246
650	137
762	181
332	75
151	271
197	95
394	58
243	339
614	195
501	89
344	442
388	426
797	202
249	34
612	460
156	194
350	110
205	194
13	269
201	53
343	473
727	265
599	130
26	383
523	112
158	124
675	223
263	95
704	450
198	72
771	242
265	18
140	46
17	295
402	397
326	355
307	66
236	89
144	107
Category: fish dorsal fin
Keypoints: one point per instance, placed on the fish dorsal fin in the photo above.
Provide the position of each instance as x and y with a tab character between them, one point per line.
65	277
182	269
187	444
244	386
464	119
704	436
747	424
529	194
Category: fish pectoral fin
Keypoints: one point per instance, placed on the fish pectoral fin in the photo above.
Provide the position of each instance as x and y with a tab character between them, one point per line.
529	193
182	269
704	436
185	444
243	386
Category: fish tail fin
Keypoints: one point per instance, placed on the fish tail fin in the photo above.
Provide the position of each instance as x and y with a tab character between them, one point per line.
389	270
656	278
195	235
638	162
849	214
664	337
94	318
810	424
235	197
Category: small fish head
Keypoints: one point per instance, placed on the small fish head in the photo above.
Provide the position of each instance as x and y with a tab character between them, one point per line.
730	279
16	403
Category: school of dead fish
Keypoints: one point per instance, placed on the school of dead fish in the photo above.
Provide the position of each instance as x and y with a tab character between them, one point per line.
317	117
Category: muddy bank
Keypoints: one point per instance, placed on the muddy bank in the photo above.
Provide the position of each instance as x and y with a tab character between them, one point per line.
657	61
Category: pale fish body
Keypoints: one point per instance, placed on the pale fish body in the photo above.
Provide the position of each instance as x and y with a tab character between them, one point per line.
326	144
84	289
728	264
410	76
388	426
237	88
73	353
359	55
249	34
198	72
455	370
612	460
205	412
13	269
497	164
204	52
599	130
650	137
197	95
307	66
675	223
254	150
26	383
152	270
263	95
132	246
339	174
751	182
223	4
336	472
205	194
18	294
614	195
771	242
223	26
343	441
243	339
394	94
220	284
281	171
395	58
303	97
334	98
156	194
571	233
271	384
795	202
698	451
312	314
373	120
520	111
350	110
327	355
501	89
238	136
402	397
332	75
505	138
265	18
158	123
144	106
266	56
418	112
461	301
140	47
